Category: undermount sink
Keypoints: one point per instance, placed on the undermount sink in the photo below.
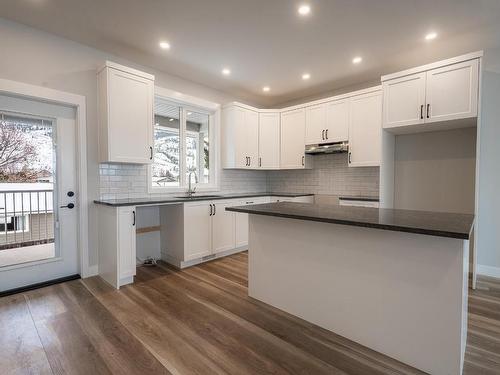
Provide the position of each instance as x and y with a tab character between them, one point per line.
195	196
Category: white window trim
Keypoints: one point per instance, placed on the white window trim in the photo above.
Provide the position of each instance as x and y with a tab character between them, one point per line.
192	103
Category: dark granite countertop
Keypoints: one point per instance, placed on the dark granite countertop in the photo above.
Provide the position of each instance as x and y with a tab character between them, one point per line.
420	222
197	197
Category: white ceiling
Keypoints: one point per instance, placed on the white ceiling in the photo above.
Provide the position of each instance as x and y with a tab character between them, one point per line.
265	42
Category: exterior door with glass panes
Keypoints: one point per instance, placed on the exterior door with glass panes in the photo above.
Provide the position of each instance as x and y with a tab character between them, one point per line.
38	190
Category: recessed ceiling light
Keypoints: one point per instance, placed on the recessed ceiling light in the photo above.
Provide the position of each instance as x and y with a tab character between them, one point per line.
189	113
357	60
226	71
431	36
306	76
170	119
266	89
304	10
164	45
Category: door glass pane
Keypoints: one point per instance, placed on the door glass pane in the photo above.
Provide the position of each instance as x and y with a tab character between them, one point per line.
198	146
166	156
27	180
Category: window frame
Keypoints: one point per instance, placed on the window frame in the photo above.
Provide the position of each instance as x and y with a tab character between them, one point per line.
190	104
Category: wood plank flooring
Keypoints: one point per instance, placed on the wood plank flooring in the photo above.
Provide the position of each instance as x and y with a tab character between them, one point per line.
198	321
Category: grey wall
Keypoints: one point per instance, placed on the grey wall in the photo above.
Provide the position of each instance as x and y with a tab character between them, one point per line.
488	221
436	171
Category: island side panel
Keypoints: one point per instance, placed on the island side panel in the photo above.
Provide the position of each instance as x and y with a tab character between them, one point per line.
401	294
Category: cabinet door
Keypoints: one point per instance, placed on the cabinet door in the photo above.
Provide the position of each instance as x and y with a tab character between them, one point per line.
404	100
316	124
252	138
293	124
126	242
452	92
365	127
222	227
197	230
239	137
130	117
337	121
269	140
241	220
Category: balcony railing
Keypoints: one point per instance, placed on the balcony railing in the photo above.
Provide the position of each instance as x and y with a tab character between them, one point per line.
26	218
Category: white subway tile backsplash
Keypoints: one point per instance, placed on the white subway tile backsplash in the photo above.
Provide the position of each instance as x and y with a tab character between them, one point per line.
330	176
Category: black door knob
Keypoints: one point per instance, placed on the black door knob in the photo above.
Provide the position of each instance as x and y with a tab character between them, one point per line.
71	193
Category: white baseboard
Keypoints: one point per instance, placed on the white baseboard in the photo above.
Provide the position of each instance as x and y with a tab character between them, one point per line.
181	264
488	271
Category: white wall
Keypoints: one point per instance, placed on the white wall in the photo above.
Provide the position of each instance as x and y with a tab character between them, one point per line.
39	58
488	220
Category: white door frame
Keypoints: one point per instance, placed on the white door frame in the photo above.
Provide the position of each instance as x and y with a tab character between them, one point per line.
79	103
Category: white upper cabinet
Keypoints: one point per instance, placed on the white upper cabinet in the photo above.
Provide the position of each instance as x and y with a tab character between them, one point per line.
315	124
269	140
435	93
452	92
252	138
327	122
293	131
365	127
404	100
337	121
125	115
240	137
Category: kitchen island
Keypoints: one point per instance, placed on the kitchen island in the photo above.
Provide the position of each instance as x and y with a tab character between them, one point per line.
395	281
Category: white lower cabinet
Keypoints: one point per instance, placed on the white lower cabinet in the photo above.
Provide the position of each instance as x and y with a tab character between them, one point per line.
222	227
302	199
241	220
195	230
117	244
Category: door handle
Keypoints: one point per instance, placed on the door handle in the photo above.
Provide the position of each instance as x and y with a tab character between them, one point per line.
422	112
249	161
69	205
349	158
210	214
323	134
133	222
150	153
428	110
215	209
260	162
326	134
303	161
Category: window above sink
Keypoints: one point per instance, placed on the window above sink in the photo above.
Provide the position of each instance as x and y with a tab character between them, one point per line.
184	144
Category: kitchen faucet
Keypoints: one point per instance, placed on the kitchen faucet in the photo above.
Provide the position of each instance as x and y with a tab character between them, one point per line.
191	191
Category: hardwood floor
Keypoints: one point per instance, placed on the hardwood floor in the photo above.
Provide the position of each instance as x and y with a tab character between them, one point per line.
198	321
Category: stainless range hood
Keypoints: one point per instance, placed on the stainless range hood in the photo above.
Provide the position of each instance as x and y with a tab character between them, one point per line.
327	148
